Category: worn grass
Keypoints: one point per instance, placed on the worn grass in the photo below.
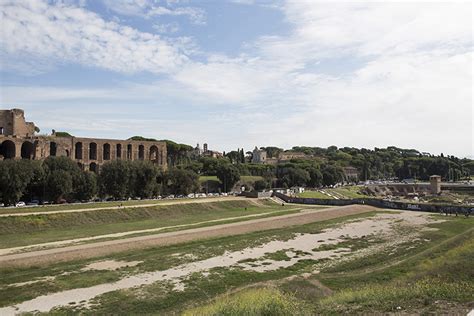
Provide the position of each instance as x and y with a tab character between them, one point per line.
18	231
417	275
159	258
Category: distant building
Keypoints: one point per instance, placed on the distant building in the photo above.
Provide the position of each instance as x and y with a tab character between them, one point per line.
351	173
289	155
259	156
205	152
198	150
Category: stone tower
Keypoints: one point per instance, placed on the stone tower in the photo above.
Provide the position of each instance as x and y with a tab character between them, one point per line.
435	184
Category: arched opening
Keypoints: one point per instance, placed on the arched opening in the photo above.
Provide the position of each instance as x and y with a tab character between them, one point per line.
81	166
118	151
154	153
106	152
68	153
129	151
8	149
93	167
93	151
27	150
53	149
78	153
141	152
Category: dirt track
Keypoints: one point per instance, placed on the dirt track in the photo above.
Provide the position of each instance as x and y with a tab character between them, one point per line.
159	203
108	247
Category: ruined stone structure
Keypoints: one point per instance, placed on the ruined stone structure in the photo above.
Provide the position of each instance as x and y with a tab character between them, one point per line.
18	141
259	156
435	184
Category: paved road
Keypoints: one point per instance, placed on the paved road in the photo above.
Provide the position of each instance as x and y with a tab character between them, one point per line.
49	256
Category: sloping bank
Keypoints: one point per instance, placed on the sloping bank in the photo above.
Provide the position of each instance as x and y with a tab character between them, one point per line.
420	207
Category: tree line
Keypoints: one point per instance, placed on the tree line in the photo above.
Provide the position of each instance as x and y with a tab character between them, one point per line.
59	179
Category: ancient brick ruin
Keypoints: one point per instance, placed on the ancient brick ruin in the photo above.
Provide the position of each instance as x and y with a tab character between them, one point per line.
18	141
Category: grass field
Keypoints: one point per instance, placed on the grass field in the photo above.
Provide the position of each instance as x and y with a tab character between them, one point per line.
313	194
36	229
430	273
78	206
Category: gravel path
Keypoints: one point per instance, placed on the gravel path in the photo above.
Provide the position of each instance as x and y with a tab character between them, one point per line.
108	247
159	203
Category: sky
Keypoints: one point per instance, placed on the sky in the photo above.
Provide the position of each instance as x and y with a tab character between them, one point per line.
244	73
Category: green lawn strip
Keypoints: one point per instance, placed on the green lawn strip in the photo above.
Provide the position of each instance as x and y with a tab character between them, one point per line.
314	195
79	206
37	229
155	259
250	178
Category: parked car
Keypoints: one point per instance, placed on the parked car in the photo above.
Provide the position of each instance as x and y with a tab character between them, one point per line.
20	204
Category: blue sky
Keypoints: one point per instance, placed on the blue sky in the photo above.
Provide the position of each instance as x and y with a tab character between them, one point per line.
244	73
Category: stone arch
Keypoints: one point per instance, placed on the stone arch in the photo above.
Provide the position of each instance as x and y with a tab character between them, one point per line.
78	151
53	149
141	152
118	151
93	151
93	167
129	151
106	151
27	150
154	154
8	150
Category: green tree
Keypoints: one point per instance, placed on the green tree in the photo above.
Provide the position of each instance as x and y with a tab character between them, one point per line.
229	175
315	177
332	174
14	178
261	185
114	179
61	176
143	179
58	185
86	186
181	181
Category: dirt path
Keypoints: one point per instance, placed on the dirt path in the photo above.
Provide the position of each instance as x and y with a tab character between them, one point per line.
113	246
63	243
160	203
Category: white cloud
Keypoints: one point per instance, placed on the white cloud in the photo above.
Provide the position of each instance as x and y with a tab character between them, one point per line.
68	34
166	28
413	88
149	8
410	85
